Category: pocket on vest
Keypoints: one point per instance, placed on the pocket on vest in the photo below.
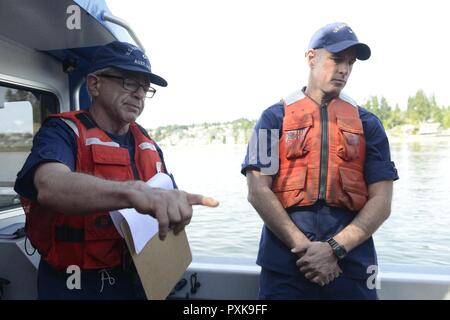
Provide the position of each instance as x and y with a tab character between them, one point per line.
354	195
103	245
111	164
350	138
100	227
291	190
295	137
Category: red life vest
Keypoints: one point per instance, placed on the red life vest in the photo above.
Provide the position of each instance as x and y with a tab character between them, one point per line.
322	153
91	241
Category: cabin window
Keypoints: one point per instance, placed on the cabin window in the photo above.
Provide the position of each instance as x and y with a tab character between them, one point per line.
22	111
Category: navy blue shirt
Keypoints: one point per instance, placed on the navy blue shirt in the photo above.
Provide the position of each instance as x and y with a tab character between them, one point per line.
319	222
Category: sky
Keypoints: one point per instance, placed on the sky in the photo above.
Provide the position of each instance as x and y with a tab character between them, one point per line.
230	59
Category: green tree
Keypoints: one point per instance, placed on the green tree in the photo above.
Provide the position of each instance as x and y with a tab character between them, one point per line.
372	105
419	108
436	111
445	122
385	113
381	108
397	117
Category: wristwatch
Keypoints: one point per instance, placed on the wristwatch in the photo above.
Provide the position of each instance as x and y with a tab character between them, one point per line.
338	250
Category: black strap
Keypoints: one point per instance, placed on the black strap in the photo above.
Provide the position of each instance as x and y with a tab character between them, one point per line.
144	132
68	234
86	120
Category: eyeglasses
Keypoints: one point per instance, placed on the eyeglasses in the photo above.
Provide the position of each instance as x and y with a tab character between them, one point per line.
132	85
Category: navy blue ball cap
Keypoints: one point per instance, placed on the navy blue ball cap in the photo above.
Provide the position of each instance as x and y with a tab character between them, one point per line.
124	56
336	37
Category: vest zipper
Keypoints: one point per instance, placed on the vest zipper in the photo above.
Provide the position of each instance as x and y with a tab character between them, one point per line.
136	175
135	171
323	151
133	156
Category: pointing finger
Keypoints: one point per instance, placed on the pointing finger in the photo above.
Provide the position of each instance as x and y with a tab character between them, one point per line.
198	199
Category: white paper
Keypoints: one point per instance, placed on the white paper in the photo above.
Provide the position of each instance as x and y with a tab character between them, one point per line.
161	180
142	226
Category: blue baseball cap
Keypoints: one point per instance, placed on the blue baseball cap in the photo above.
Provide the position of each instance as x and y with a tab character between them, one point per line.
336	37
124	56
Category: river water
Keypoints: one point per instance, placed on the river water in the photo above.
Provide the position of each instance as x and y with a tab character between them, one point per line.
417	232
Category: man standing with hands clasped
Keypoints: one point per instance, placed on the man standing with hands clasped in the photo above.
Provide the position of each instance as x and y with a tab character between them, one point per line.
328	185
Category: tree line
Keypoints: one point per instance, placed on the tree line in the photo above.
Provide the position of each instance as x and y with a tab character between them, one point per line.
420	108
214	130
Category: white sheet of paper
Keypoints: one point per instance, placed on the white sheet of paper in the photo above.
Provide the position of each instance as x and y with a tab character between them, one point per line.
142	226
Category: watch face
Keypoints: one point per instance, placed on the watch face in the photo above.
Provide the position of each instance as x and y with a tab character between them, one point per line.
340	252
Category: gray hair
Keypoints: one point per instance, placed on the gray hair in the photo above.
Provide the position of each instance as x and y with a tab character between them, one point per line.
97	73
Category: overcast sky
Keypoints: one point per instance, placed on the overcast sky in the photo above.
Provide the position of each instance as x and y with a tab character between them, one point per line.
227	59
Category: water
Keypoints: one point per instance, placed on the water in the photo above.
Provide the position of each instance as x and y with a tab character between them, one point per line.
418	231
233	228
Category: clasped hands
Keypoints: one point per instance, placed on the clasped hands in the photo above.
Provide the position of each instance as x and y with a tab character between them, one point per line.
317	262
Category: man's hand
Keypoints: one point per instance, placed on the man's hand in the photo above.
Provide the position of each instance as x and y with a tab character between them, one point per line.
75	193
172	208
317	262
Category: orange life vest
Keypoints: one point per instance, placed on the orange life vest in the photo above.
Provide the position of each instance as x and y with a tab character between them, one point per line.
322	153
91	241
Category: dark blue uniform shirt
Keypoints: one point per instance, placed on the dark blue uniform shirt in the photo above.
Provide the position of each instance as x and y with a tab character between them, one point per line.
319	221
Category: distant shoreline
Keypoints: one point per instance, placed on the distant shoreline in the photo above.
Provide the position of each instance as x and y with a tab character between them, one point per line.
418	137
392	139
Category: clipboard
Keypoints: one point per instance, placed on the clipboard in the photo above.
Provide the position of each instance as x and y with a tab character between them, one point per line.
160	264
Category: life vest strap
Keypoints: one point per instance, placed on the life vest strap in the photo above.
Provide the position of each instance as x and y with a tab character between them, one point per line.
68	234
86	120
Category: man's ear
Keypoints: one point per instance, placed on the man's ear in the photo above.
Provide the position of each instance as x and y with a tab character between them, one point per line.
93	85
311	56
